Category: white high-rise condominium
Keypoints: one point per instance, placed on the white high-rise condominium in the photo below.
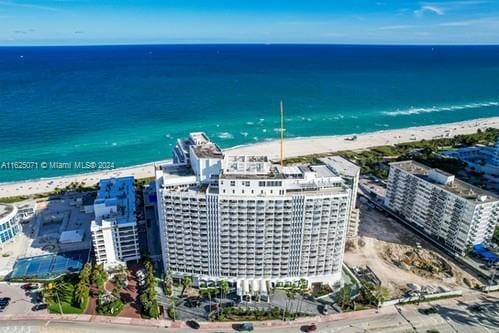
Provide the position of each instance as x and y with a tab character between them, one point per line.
249	221
350	172
114	230
455	214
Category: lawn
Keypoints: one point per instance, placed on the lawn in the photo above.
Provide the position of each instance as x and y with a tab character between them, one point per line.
66	292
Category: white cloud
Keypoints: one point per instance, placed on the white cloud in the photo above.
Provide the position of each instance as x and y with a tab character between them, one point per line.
396	27
430	9
458	23
28	5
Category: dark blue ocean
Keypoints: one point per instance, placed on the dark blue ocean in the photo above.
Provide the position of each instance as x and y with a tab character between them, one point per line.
127	104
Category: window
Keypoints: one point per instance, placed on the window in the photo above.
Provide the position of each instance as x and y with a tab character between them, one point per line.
232	183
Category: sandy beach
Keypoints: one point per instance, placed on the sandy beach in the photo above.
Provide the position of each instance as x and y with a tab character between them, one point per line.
293	147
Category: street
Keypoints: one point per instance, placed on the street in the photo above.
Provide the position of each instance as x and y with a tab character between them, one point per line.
453	315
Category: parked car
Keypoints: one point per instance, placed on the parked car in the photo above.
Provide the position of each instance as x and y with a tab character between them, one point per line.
38	297
476	308
324	310
192	302
309	328
244	327
41	306
214	307
193	324
428	311
4	301
30	286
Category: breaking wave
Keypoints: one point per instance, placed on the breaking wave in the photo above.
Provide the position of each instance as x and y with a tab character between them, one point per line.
225	135
441	108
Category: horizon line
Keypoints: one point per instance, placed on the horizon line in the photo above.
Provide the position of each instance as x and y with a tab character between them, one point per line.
247	43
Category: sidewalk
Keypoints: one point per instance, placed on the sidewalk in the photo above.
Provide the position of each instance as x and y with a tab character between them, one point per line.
371	313
205	325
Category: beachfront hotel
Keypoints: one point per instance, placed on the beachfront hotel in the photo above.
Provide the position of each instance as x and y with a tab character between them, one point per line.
114	230
9	223
249	221
455	214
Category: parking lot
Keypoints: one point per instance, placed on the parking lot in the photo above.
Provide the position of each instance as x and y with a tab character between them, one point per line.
21	301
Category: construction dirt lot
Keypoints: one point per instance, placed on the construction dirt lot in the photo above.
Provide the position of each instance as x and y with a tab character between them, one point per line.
390	251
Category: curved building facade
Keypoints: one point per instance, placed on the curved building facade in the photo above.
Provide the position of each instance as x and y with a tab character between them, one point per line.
9	223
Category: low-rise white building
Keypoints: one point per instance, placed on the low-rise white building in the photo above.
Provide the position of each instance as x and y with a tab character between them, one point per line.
114	230
250	221
455	214
26	209
480	158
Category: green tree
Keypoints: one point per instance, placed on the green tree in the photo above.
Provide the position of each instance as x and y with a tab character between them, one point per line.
343	297
146	302
380	294
81	293
186	283
224	288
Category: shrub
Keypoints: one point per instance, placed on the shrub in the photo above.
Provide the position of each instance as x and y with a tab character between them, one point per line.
172	312
112	308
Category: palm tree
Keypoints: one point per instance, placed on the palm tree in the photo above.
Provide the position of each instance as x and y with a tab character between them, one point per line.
224	289
85	273
168	282
148	266
380	295
173	307
81	292
343	296
146	302
50	292
186	283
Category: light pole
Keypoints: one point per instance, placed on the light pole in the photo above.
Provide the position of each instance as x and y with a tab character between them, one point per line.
59	302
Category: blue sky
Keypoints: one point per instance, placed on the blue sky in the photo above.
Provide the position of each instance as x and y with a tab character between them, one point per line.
43	22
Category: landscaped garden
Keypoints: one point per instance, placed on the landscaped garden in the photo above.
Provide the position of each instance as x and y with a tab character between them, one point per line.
148	297
69	294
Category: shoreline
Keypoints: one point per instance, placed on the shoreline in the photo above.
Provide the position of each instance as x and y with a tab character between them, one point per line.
293	147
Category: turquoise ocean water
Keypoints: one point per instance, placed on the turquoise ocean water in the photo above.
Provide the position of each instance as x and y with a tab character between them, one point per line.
127	104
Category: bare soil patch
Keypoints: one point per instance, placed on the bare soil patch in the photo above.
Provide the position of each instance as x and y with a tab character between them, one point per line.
390	251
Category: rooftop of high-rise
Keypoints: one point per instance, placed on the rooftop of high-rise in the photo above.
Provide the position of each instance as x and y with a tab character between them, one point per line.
118	193
446	181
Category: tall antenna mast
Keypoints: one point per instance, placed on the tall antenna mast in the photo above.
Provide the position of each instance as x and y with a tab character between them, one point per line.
282	134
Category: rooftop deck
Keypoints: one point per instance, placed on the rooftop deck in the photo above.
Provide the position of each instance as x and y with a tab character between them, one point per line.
208	150
5	210
119	192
